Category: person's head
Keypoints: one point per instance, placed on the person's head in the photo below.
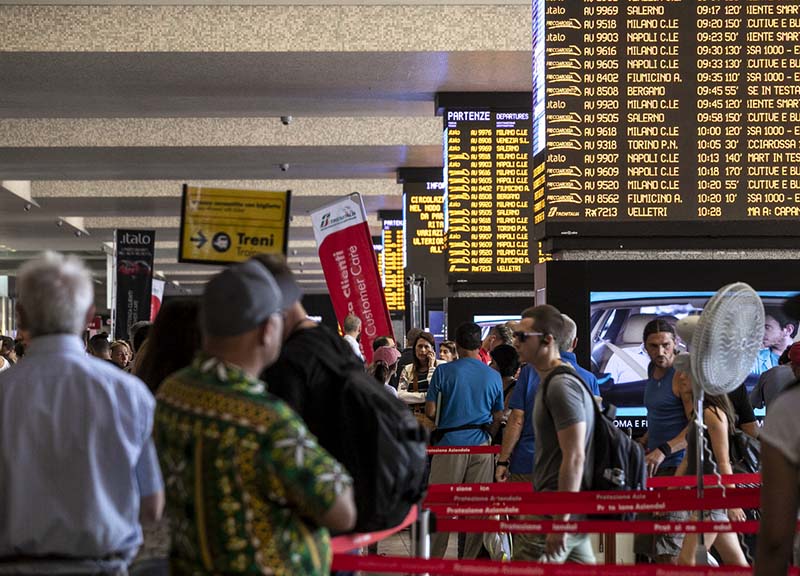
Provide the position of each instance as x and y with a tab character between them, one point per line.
468	340
240	316
411	336
382	341
294	313
424	346
138	334
447	351
384	363
505	360
120	353
570	336
499	334
779	330
7	348
54	295
538	335
659	342
352	325
173	341
794	358
99	346
19	348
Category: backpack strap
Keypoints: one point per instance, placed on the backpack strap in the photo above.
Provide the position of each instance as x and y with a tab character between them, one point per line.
567	369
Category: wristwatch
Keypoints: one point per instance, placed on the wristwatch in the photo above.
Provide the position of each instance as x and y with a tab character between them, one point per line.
505	463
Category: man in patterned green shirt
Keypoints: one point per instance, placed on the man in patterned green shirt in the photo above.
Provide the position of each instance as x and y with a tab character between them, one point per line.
249	490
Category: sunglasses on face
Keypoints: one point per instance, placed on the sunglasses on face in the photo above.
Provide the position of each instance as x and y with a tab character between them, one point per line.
522	336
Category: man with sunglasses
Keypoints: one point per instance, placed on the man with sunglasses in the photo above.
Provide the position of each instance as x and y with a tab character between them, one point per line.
563	423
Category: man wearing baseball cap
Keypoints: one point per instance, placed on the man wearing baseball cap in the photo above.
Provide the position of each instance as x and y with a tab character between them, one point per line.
249	490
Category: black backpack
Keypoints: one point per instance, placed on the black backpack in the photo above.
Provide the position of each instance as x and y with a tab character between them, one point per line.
618	462
381	445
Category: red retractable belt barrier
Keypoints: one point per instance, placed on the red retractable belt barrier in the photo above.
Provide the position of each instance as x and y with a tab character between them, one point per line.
594	527
443	490
708	480
394	565
600	502
348	542
433	450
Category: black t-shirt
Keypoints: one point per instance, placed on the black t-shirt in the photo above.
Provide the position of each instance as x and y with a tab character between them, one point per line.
306	385
741	406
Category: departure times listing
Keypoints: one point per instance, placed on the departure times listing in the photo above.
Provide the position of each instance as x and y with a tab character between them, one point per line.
489	200
392	266
671	110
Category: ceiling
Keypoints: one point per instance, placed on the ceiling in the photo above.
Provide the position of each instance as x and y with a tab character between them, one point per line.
107	137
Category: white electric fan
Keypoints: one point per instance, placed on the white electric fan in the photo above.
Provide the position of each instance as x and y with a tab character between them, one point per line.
723	342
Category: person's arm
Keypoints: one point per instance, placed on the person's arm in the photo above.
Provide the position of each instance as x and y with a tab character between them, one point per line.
403	388
432	396
341	516
497	422
778	512
511	436
717	425
316	485
151	485
571	441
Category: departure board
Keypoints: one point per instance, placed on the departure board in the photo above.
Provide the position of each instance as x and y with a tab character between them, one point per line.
425	242
489	217
392	265
677	112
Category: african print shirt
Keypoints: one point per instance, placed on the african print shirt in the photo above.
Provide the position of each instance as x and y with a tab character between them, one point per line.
246	482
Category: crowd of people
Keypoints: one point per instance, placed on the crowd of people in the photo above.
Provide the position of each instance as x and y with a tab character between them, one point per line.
211	435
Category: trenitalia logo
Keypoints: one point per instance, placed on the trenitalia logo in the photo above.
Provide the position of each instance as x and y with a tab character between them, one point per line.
345	215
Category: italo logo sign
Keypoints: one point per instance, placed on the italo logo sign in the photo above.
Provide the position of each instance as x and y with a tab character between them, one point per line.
328	219
136	238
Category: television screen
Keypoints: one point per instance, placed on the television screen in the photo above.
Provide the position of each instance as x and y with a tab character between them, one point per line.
618	357
489	321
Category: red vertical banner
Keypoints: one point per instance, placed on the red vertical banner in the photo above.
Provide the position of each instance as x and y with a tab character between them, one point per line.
351	272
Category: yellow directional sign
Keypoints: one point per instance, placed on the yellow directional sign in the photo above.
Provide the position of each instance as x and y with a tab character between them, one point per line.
222	226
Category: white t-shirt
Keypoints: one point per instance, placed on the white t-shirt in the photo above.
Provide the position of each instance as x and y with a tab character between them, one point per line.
4	364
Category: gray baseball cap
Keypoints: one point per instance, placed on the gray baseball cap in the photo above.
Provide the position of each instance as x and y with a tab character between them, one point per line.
240	298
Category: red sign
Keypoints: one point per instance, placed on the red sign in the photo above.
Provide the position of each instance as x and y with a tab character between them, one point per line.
351	270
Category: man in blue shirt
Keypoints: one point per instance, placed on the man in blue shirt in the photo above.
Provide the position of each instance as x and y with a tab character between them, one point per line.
669	405
78	466
465	398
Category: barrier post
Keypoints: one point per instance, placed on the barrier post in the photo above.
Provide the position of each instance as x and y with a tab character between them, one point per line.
420	534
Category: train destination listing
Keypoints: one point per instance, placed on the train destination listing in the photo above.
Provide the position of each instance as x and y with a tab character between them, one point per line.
489	191
392	265
675	110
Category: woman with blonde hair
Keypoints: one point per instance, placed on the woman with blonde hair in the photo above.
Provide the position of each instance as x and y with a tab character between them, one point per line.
719	423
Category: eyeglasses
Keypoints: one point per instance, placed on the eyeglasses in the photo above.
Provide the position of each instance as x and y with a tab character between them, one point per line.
522	336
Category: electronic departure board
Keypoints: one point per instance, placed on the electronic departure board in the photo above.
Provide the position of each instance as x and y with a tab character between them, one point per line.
425	242
392	267
489	197
676	112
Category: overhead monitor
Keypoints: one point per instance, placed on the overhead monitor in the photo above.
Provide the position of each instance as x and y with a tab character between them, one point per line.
391	264
423	213
488	173
671	118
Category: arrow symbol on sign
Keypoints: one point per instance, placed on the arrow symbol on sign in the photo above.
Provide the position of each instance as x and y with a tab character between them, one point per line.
199	240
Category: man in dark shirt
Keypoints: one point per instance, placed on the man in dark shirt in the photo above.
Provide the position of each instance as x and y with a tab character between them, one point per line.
298	377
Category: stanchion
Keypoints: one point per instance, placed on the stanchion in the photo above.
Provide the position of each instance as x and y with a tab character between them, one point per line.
420	534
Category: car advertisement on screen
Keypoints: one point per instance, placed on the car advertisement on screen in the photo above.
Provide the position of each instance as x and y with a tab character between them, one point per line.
620	361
